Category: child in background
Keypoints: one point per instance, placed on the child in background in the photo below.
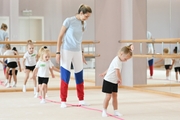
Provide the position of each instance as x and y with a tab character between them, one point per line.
176	63
167	63
16	70
53	68
11	63
112	77
29	63
42	69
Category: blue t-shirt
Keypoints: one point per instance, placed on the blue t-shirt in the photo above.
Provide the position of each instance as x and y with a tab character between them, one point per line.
73	37
3	36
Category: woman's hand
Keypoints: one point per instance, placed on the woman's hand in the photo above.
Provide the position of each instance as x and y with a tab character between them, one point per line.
84	60
58	58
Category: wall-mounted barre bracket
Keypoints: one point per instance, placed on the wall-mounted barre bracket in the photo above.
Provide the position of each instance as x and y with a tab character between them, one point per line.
162	45
141	48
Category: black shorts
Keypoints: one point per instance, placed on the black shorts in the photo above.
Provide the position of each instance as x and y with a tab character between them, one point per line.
10	72
43	80
12	64
31	68
167	67
177	69
109	87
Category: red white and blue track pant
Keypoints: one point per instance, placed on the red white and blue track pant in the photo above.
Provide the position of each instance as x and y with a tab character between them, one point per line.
76	58
150	63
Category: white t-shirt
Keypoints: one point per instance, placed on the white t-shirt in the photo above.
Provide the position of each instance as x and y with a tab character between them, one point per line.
10	52
30	59
73	37
177	62
43	68
167	61
111	72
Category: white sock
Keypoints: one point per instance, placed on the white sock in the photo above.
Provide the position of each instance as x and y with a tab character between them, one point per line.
35	89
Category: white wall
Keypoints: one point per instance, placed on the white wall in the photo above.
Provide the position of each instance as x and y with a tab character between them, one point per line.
158	18
4	7
54	12
175	19
163	18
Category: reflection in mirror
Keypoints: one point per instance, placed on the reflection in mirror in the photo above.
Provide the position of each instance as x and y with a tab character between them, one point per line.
162	23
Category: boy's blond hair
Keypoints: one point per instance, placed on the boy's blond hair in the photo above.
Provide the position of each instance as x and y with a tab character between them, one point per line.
126	50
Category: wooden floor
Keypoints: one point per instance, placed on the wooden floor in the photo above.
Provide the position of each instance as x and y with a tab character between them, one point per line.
134	104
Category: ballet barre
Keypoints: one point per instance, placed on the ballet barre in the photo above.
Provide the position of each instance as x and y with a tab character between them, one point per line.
52	55
167	41
47	42
157	55
155	41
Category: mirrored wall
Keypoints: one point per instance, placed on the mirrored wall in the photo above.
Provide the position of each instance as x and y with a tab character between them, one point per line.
163	18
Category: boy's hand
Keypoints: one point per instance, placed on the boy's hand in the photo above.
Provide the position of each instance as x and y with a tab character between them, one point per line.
102	75
120	82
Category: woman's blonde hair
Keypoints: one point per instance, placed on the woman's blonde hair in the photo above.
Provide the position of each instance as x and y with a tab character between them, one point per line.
126	50
84	9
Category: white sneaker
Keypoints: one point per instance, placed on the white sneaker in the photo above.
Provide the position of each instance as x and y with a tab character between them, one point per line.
63	105
81	102
24	88
117	114
36	95
13	85
46	95
8	86
151	77
43	101
104	114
